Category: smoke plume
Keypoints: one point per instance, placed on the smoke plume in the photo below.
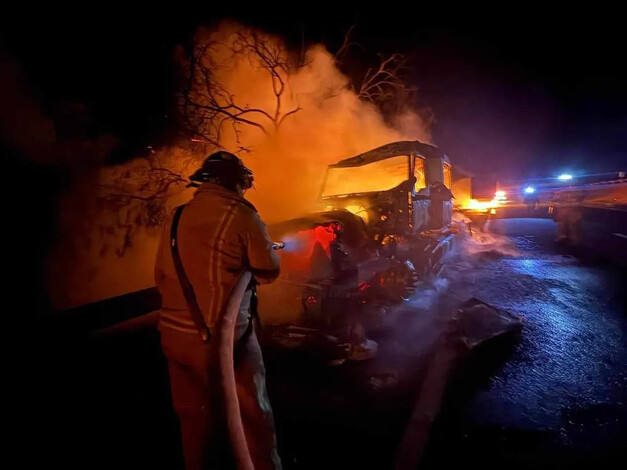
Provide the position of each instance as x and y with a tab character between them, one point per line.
317	119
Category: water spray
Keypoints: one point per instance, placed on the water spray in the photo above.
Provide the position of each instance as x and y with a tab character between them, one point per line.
290	243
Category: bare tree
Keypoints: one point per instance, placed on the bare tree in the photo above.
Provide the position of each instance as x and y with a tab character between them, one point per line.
346	45
137	191
380	84
207	106
208	109
145	181
383	83
134	195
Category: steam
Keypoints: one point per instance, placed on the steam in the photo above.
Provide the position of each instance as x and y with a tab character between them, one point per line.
426	297
292	244
471	248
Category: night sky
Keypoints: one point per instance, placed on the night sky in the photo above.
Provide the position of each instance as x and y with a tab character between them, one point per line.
517	92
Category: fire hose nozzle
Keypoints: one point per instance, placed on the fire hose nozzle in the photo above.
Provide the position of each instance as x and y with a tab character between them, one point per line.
278	245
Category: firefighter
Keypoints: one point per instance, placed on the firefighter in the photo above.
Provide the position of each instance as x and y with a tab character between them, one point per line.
216	236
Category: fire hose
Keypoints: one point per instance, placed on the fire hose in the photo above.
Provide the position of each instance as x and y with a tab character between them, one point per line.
226	347
226	343
227	374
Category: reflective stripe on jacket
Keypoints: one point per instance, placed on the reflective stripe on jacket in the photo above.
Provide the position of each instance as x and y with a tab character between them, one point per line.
220	234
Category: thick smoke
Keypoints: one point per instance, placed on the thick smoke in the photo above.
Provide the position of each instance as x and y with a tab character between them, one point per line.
331	123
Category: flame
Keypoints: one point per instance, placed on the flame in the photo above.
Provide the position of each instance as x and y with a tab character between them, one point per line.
303	245
359	211
483	206
289	161
331	123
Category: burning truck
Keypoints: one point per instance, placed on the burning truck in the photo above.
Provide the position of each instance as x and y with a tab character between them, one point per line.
383	226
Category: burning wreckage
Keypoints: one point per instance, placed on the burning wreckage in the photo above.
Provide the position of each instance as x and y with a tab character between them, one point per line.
383	227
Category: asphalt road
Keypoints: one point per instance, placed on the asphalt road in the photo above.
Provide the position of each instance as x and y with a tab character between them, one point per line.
558	398
554	398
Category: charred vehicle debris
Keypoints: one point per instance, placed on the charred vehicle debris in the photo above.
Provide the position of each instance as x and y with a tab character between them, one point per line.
383	226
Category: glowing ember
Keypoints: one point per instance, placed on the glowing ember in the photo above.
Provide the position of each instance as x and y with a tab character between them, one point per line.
359	211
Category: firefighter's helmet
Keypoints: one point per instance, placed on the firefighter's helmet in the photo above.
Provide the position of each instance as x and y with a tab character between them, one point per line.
225	169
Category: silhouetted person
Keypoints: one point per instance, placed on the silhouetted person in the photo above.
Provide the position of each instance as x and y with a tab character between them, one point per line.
217	237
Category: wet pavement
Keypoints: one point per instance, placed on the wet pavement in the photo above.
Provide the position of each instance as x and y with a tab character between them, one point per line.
558	397
553	398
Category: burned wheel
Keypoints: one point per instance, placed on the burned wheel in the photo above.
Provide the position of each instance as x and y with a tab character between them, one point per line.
410	281
401	282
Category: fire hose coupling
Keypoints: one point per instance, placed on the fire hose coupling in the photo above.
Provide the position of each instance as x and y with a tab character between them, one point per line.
278	245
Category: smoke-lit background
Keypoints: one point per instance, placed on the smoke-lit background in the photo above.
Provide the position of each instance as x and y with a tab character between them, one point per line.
506	94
